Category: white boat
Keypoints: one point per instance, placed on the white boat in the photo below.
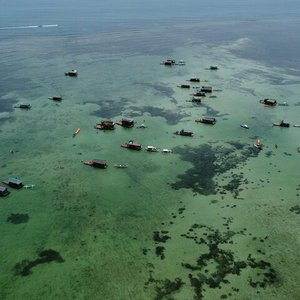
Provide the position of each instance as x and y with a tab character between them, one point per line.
151	149
245	126
166	151
296	125
28	186
121	166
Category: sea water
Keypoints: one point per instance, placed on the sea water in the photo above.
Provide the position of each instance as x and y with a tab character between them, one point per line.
215	218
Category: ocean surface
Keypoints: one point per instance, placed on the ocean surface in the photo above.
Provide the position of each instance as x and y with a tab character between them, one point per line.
214	219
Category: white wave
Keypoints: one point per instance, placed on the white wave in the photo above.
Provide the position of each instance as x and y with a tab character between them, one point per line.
28	26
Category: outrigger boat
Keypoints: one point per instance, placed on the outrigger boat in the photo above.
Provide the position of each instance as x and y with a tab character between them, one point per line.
121	166
258	144
29	186
76	132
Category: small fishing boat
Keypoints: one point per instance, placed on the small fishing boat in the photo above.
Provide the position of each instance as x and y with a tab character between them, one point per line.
206	89
55	98
184	86
105	125
132	145
72	73
151	149
184	133
181	63
199	94
142	126
194	79
298	149
258	144
121	166
29	186
76	132
127	123
268	101
168	62
97	163
4	191
166	151
23	106
244	126
282	123
296	125
213	68
207	120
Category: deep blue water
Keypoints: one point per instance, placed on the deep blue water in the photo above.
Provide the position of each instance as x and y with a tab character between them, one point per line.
272	24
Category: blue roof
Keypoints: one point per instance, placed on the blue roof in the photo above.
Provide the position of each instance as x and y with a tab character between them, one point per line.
15	180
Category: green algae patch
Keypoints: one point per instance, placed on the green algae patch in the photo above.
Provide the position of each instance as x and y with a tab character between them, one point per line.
208	162
24	267
18	218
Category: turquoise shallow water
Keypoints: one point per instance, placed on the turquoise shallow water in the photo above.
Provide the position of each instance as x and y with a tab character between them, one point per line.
213	196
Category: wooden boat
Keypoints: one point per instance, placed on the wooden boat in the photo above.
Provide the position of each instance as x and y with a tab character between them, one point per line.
101	164
194	79
23	106
268	101
105	125
207	120
206	89
4	191
14	182
76	132
55	98
213	68
132	145
184	133
169	62
258	144
72	73
282	123
127	123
